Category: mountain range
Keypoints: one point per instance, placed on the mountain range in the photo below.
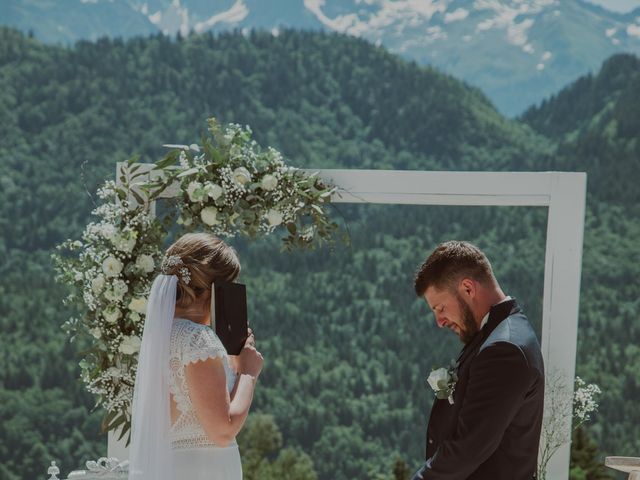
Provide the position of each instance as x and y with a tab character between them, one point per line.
517	51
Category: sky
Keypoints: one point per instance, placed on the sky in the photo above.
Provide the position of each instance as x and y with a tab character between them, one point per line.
618	5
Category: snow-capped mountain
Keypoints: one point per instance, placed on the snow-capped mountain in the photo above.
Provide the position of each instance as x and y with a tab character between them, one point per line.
517	51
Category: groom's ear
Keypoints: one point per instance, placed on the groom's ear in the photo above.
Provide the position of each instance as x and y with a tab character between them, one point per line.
467	288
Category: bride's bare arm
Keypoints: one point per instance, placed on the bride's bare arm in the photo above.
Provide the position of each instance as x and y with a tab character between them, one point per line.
221	418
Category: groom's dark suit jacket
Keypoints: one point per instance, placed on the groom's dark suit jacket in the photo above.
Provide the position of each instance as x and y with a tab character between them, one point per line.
492	431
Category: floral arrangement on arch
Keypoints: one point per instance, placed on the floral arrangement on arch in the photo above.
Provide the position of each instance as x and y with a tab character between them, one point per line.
228	185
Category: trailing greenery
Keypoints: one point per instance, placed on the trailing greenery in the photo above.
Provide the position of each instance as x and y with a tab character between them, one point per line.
347	345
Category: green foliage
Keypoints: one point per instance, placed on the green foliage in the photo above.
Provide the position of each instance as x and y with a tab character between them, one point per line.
347	345
264	458
401	470
585	461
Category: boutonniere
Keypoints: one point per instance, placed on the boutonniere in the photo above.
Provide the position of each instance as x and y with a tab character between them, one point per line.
443	381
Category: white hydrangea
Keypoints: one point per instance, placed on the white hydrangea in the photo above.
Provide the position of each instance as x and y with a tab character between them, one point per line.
97	284
107	230
112	266
145	263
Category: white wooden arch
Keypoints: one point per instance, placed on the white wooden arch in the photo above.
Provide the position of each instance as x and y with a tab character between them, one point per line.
563	193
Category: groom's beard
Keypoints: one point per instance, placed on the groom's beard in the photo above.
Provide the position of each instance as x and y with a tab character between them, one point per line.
470	327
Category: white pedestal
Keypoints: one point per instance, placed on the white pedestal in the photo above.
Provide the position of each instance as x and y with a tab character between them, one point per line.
117	448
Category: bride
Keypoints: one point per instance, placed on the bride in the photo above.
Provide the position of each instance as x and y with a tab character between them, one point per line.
190	398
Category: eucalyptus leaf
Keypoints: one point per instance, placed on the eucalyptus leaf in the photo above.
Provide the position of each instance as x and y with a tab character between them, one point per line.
188	172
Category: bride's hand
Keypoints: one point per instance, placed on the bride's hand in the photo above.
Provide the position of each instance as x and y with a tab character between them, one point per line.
250	360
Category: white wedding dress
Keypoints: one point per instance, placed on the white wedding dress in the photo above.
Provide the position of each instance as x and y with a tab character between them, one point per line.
195	456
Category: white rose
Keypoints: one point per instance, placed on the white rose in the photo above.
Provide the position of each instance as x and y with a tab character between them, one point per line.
269	182
96	332
134	317
138	304
213	190
130	345
439	379
274	217
111	314
241	176
97	284
195	191
111	266
113	372
209	215
145	263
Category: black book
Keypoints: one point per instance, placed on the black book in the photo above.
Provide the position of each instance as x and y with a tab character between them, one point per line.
229	315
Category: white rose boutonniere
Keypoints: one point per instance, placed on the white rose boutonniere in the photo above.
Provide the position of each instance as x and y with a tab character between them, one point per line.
443	381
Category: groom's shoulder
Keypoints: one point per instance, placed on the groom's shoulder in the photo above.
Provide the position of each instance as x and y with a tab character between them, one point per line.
517	331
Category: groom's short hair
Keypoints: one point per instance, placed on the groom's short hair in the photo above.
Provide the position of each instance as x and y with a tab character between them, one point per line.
451	262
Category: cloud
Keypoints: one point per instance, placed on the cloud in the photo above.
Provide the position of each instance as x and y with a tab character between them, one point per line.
235	14
391	13
633	30
504	16
459	14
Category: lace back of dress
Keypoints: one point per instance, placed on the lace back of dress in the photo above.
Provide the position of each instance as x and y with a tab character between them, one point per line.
191	342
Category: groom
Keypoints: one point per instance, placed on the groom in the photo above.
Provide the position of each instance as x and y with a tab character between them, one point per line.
489	428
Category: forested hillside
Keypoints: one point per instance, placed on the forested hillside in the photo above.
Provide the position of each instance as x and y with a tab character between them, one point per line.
347	344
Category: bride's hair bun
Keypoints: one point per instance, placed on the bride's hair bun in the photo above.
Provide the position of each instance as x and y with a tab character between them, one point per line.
198	260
